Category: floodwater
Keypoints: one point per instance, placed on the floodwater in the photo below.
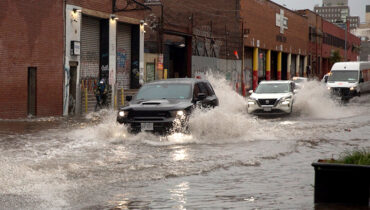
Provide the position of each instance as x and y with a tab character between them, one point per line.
230	160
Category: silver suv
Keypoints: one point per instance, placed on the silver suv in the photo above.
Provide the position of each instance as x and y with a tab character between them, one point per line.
272	97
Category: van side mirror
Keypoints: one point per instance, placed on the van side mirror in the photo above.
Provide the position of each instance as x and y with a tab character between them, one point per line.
201	96
250	92
128	98
361	80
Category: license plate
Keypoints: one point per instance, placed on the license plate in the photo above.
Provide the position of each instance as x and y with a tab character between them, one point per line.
146	126
267	109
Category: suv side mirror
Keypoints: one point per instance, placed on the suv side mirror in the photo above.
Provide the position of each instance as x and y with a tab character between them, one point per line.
128	98
201	96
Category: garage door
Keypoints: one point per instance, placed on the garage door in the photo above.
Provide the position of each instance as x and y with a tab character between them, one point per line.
123	55
90	39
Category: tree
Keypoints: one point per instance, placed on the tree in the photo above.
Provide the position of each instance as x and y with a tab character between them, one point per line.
335	57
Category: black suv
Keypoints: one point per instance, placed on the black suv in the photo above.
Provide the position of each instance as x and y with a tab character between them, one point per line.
165	105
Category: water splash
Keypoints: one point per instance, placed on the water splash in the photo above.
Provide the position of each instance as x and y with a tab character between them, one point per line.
227	121
314	100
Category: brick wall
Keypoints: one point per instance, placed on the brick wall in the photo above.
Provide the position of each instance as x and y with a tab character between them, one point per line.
352	40
315	22
31	35
260	18
105	6
217	19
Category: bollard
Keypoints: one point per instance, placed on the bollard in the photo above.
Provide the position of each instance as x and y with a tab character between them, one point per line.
85	99
115	101
165	74
122	98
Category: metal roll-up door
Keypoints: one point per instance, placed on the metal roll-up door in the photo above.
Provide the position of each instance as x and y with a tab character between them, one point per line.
90	47
123	55
293	66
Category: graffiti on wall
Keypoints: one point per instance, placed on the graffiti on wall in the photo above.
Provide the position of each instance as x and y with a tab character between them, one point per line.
204	44
123	68
89	64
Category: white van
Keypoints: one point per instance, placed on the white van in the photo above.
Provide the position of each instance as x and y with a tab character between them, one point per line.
348	79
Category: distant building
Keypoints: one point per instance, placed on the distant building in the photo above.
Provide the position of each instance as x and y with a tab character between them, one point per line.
364	33
337	11
368	14
335	3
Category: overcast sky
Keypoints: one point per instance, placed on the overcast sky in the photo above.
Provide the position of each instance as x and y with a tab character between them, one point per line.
357	7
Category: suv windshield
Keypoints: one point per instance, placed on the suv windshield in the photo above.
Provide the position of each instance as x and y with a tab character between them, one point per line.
273	88
164	91
343	76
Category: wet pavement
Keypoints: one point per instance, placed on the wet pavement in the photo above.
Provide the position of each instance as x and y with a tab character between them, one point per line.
230	159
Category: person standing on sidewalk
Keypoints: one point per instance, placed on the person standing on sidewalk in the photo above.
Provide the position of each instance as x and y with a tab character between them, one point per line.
101	91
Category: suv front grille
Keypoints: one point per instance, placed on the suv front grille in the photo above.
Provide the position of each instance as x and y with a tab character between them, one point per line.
267	101
149	114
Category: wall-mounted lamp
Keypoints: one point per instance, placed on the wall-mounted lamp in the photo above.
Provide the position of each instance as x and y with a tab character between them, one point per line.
143	23
76	10
113	17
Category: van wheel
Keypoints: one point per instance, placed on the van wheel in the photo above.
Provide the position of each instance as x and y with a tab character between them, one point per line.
359	94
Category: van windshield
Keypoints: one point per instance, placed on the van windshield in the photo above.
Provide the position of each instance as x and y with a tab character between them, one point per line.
343	76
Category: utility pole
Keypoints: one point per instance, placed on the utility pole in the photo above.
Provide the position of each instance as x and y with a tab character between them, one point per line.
242	69
345	42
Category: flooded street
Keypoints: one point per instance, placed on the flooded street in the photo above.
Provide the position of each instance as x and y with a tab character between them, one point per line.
230	160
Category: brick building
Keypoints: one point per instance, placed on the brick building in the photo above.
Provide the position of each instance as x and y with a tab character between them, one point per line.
337	39
324	39
109	39
275	40
31	64
315	41
187	38
54	50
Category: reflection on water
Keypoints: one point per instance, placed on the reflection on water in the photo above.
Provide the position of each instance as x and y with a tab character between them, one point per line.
180	154
179	194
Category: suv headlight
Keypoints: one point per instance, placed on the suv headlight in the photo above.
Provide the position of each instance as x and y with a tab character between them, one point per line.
252	101
178	113
285	100
122	113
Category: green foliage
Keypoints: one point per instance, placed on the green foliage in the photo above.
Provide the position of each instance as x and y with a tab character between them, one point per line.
358	157
335	57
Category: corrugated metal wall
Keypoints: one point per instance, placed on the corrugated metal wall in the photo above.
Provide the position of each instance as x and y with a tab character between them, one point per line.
90	47
123	55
